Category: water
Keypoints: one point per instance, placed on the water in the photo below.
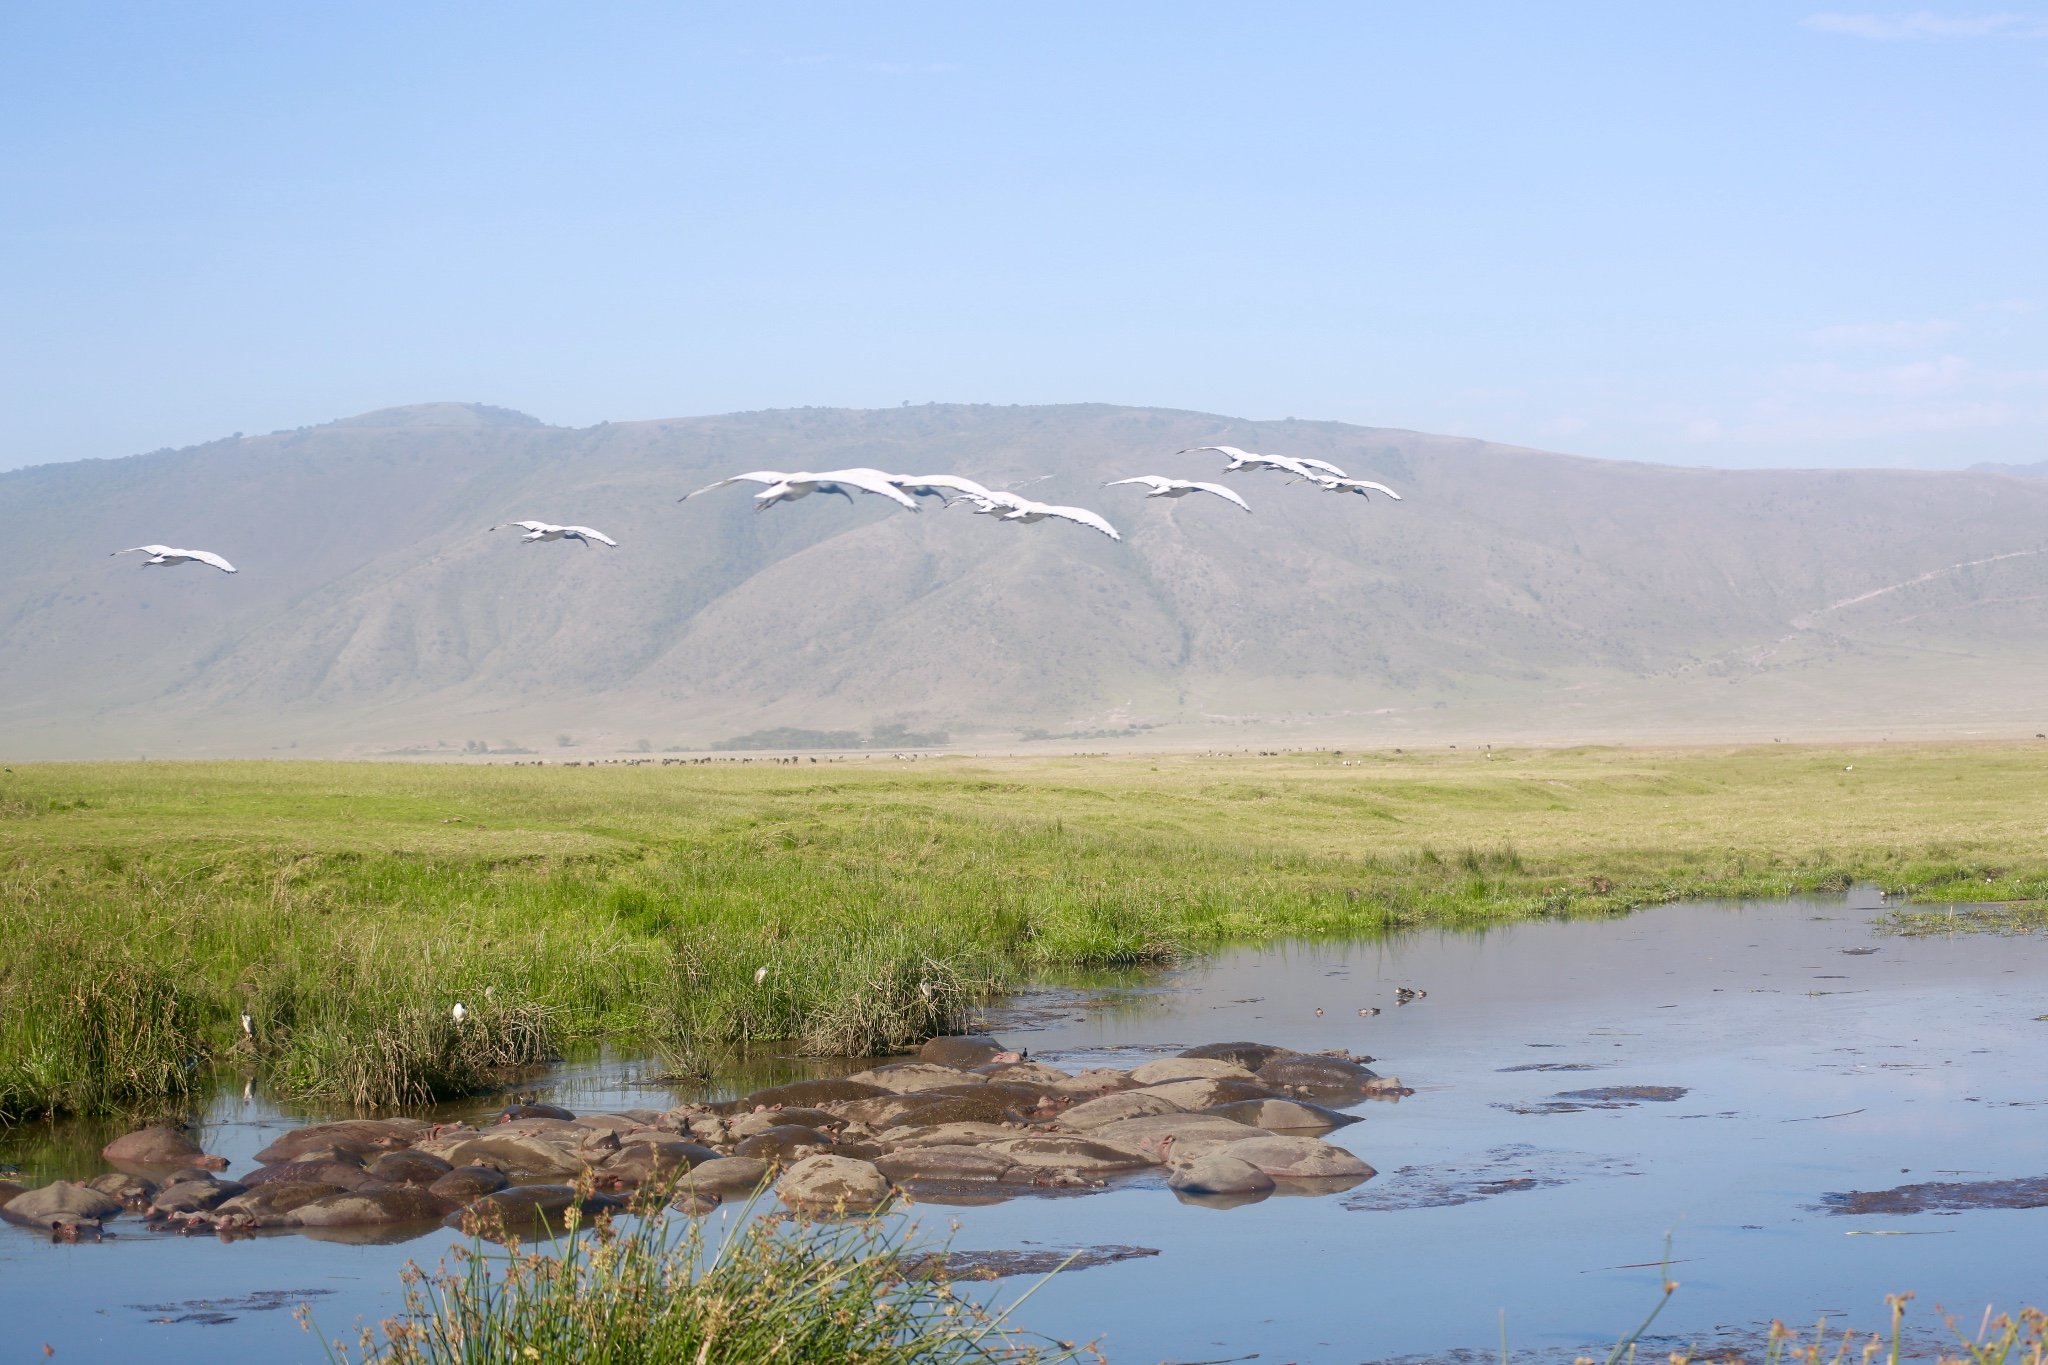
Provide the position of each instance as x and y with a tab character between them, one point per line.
1809	1067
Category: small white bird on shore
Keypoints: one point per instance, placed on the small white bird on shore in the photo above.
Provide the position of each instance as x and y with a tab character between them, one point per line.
459	1012
166	556
545	530
1365	488
789	487
1180	488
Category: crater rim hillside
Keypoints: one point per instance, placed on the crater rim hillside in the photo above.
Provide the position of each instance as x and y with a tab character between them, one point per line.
1513	595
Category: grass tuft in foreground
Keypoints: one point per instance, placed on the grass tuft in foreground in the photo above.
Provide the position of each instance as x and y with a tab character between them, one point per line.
659	1290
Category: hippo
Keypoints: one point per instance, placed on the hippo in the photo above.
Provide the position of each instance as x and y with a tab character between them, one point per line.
160	1147
963	1050
1250	1056
64	1208
467	1184
833	1182
784	1144
408	1168
534	1111
524	1210
802	1093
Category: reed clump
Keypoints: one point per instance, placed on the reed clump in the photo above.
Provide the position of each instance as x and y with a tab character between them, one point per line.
85	1028
660	1290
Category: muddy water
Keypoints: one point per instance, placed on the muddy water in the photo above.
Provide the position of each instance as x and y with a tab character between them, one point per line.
1714	1072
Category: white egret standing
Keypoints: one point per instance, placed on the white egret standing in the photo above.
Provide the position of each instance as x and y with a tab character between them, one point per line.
789	487
543	530
165	555
1180	488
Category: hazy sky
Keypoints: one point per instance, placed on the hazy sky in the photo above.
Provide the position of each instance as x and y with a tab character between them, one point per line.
1707	233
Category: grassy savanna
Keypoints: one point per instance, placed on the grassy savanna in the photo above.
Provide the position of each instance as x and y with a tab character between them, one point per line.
145	908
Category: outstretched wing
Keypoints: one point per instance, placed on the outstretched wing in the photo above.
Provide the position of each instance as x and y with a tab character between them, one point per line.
1229	494
1151	481
209	557
867	481
526	525
1356	486
995	499
1323	465
937	485
151	550
756	476
586	533
1232	451
1080	514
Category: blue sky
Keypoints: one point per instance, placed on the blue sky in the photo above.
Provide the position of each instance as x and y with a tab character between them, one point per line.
1704	233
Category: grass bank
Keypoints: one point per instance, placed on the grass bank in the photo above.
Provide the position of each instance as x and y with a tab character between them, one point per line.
146	908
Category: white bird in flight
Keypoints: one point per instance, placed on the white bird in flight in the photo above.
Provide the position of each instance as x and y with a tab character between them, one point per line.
166	555
543	530
938	486
1365	488
1180	488
1244	459
1010	507
993	503
789	487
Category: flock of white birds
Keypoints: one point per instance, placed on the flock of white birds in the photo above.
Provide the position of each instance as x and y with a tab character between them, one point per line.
906	489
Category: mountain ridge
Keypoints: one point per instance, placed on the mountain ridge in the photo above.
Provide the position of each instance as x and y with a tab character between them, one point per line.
1521	590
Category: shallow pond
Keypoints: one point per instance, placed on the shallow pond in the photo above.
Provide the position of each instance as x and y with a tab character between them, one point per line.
1581	1089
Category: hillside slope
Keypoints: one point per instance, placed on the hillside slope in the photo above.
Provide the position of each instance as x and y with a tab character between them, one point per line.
1511	593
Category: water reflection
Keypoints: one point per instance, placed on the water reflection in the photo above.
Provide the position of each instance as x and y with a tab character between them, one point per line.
1580	1089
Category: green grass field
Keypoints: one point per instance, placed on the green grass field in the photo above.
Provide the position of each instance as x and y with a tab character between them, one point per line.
344	908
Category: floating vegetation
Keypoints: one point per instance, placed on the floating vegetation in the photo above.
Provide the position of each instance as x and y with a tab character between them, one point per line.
2026	1193
2016	917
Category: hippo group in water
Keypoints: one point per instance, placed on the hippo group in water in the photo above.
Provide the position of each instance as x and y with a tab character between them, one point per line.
966	1121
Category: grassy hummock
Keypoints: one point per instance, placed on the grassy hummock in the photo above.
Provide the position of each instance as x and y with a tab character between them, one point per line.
659	1290
849	907
2021	917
